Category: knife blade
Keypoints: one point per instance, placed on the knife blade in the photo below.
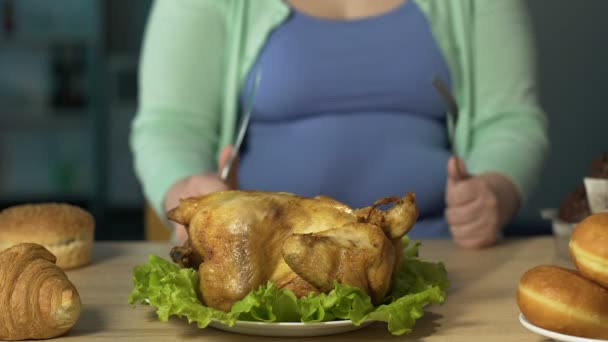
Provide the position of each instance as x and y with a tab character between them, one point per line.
225	172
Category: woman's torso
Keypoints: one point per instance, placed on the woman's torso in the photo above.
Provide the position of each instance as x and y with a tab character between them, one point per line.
346	109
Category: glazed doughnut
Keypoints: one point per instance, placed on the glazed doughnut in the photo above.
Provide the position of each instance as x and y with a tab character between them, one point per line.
563	301
589	248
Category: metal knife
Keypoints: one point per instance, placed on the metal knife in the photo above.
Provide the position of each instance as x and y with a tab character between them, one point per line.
225	172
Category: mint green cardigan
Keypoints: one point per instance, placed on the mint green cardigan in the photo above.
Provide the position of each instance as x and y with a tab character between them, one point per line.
197	53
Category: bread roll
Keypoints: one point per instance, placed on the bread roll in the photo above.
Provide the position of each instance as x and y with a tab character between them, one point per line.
562	300
65	230
37	300
589	248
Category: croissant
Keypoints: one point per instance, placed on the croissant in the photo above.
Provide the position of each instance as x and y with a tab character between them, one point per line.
37	301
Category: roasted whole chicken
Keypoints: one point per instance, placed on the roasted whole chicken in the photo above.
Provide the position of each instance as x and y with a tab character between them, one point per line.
240	240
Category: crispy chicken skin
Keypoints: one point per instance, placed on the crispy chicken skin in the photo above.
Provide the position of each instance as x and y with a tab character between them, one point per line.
239	240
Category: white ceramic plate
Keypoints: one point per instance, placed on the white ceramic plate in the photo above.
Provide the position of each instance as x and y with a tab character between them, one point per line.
552	334
289	329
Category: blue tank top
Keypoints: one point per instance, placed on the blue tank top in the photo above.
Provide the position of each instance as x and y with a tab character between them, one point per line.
347	109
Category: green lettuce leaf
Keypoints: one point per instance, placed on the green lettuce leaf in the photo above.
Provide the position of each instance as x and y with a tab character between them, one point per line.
173	291
267	304
417	283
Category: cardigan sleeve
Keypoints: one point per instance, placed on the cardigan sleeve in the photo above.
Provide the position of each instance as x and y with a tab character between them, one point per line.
509	129
176	128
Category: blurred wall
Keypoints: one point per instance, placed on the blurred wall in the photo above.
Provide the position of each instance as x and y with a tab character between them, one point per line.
124	23
573	74
45	100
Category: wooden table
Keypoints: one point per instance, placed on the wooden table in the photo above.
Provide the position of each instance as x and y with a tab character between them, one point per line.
481	303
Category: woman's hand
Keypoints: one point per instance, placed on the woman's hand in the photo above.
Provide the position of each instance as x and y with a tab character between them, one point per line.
198	185
478	206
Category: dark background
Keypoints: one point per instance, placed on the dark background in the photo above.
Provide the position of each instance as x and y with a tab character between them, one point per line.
68	93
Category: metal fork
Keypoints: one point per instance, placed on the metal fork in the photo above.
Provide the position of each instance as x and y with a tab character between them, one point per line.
225	172
452	106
